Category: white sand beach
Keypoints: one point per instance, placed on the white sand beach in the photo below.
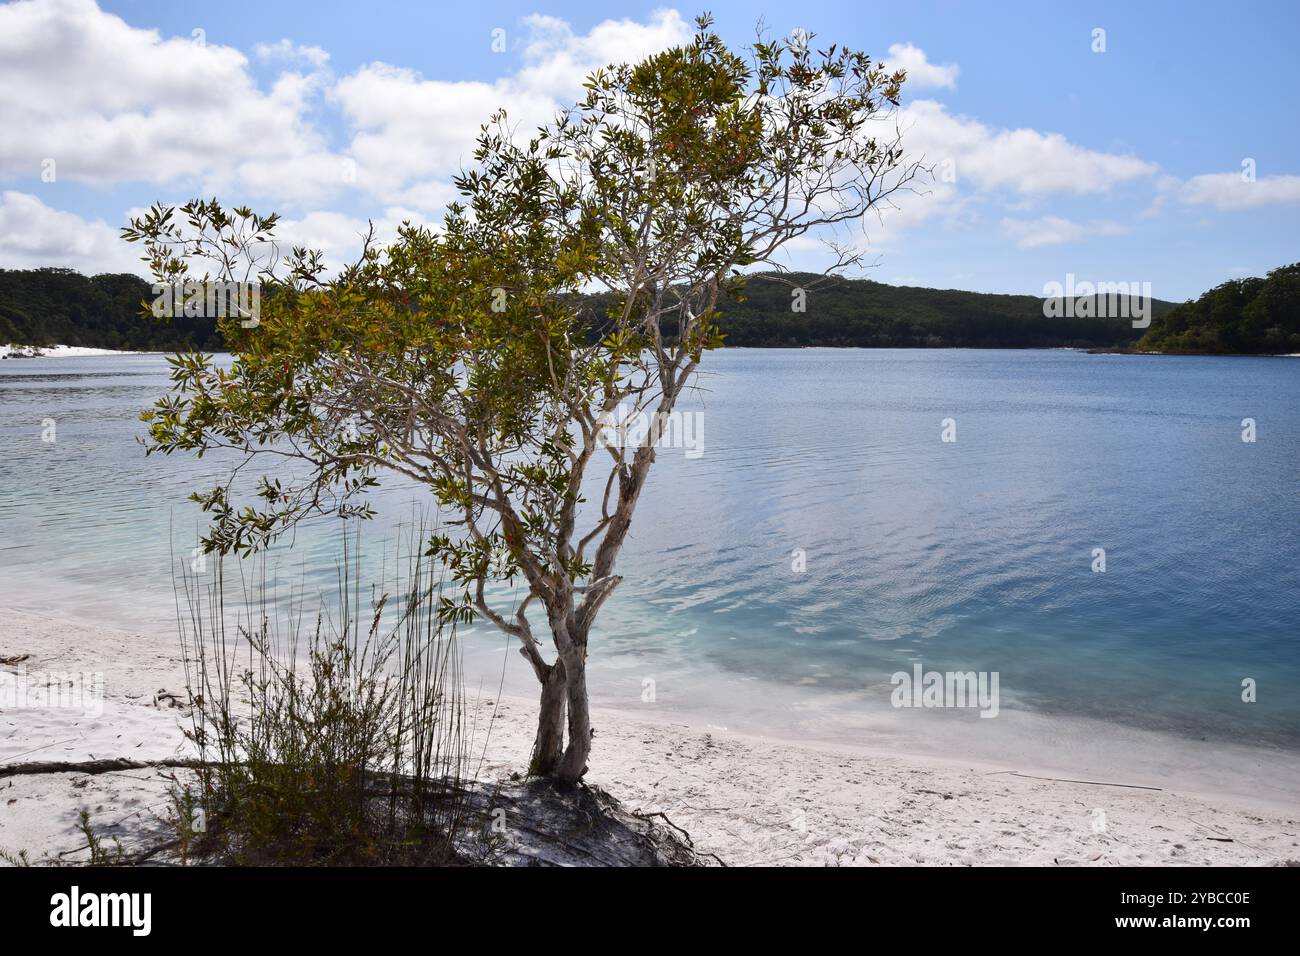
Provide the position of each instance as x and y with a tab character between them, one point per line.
57	351
748	800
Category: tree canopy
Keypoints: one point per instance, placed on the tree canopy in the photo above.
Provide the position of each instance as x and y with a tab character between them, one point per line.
1242	316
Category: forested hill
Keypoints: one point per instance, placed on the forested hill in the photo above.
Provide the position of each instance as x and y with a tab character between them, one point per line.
869	314
62	307
1244	316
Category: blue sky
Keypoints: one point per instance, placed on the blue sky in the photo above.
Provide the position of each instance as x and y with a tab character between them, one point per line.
1117	165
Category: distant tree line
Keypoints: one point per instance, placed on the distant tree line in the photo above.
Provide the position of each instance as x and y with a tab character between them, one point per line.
1254	316
1244	316
62	307
866	314
795	310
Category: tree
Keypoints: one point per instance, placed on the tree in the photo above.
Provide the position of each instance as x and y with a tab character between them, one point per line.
1241	316
463	357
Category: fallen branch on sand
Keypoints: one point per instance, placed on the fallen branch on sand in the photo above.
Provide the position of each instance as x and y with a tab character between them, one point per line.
108	765
685	836
1090	783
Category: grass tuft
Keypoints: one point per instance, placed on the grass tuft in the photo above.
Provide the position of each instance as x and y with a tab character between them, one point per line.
342	741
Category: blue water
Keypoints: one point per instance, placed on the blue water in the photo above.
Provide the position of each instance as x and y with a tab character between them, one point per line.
970	555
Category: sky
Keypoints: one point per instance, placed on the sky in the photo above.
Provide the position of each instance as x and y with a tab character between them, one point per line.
1142	142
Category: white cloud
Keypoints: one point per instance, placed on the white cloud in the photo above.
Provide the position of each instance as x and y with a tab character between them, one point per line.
33	235
921	73
410	130
976	165
111	103
1025	161
340	236
557	60
288	51
1053	231
1229	192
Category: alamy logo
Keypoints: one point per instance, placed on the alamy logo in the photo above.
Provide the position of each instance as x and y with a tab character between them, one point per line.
209	300
83	691
1098	300
74	908
946	689
625	427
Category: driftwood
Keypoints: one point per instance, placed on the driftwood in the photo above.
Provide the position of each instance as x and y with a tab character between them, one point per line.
108	765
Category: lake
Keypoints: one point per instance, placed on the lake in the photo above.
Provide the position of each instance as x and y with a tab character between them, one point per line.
826	537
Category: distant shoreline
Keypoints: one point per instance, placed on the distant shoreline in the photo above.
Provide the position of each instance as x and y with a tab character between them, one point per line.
77	351
61	351
1120	351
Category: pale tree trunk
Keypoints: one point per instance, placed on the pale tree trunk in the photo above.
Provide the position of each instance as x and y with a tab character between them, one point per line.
574	763
564	685
548	747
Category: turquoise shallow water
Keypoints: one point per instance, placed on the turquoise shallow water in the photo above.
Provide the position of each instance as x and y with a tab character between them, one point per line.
971	555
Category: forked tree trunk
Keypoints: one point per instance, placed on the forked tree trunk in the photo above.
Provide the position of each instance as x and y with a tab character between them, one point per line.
548	747
574	763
